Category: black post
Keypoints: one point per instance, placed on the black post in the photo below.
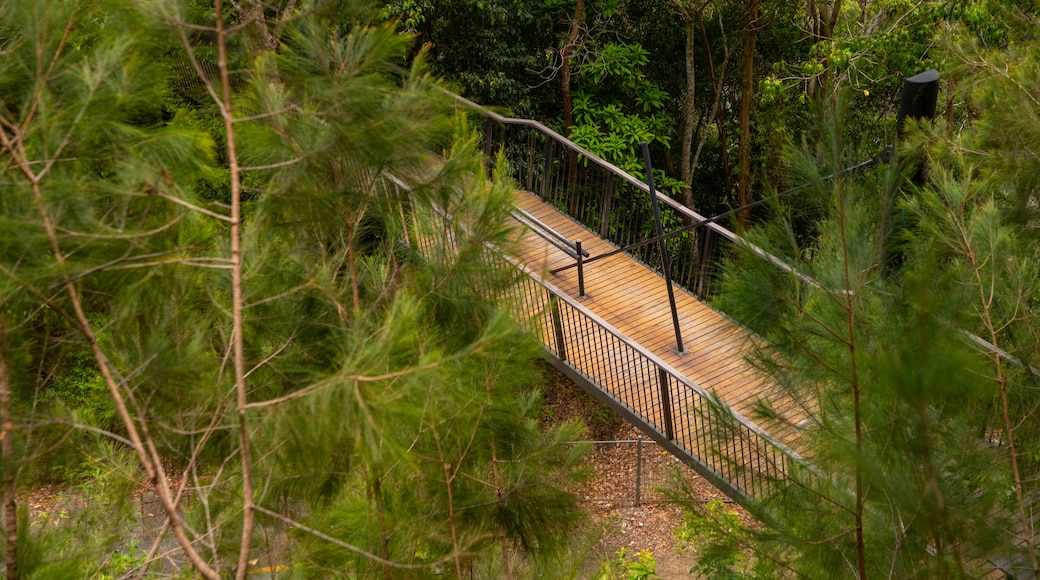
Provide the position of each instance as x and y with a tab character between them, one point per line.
679	350
608	196
489	146
639	468
546	168
920	95
581	269
557	320
530	161
666	403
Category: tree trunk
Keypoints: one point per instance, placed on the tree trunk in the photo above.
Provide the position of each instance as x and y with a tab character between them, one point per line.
565	70
823	17
258	38
747	94
716	87
568	107
690	117
7	470
237	300
716	107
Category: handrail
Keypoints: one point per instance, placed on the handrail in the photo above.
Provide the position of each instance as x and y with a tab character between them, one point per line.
726	233
554	238
717	465
884	156
572	248
662	198
706	221
680	377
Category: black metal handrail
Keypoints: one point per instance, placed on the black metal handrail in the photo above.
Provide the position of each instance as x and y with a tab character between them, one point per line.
726	448
549	234
558	241
727	214
599	194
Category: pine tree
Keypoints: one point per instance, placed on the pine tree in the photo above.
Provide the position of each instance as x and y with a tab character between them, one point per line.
891	484
222	231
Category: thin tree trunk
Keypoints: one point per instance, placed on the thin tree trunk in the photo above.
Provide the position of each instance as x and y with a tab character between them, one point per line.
1005	408
568	105
716	86
748	93
690	117
691	18
823	17
355	291
258	39
850	293
237	301
149	461
502	538
940	499
449	484
7	470
376	491
716	106
565	69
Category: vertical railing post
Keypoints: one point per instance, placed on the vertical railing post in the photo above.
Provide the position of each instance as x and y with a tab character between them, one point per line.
547	169
489	145
608	199
530	160
581	269
707	239
557	319
639	469
666	403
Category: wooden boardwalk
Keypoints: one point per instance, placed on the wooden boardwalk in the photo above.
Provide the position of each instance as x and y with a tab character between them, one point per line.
633	299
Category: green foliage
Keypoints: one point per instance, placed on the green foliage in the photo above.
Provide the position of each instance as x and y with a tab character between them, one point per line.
869	347
622	567
720	539
78	385
372	362
487	48
616	108
123	562
44	552
411	13
86	530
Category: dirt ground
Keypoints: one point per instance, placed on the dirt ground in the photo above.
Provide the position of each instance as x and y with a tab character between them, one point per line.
608	494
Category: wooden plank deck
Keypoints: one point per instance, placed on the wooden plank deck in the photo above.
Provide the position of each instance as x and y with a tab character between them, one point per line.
634	299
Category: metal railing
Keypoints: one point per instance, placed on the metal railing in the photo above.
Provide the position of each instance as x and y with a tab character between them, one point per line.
724	447
608	201
571	249
729	450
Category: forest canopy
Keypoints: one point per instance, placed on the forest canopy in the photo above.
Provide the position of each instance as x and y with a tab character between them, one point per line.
210	280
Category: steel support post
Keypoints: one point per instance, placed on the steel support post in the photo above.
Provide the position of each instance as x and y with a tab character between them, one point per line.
665	266
557	319
581	268
666	403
